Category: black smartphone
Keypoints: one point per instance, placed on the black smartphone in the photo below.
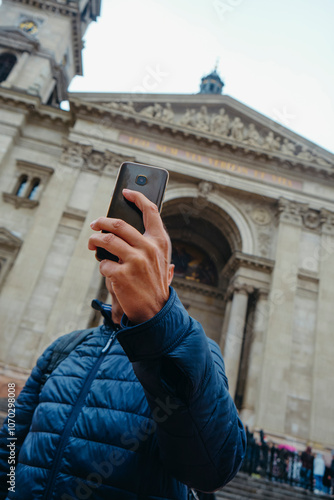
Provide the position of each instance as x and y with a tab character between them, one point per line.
151	181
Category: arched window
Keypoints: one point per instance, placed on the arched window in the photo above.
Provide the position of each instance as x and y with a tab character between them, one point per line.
21	186
33	189
7	62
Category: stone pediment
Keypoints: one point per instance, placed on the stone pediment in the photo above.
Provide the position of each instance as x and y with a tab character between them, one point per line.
215	118
16	39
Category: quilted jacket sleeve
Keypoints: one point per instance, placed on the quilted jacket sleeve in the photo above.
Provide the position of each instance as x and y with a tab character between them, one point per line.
201	438
24	408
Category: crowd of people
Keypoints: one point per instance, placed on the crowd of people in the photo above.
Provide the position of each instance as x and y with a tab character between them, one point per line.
313	471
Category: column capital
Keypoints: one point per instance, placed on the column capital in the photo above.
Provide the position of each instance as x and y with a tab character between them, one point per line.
291	211
327	221
240	288
262	293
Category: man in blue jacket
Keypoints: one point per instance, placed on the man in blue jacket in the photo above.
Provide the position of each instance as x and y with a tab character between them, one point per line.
140	409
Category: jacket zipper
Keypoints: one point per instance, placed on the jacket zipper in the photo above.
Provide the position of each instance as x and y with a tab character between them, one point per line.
72	418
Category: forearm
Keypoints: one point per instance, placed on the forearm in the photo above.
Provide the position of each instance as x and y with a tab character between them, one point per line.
200	437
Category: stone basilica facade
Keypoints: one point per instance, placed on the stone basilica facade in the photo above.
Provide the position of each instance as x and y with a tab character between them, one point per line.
249	208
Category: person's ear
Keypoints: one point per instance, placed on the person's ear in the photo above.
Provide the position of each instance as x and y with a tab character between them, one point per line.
170	273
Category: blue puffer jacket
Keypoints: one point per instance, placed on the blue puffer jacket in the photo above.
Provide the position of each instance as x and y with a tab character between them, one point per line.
134	414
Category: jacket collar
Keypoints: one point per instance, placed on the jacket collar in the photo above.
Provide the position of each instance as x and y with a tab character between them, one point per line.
105	310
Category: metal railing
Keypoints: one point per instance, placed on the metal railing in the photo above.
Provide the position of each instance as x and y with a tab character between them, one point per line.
277	465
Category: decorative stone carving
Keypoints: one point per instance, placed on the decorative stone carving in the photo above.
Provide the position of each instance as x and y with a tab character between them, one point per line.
153	111
297	213
271	143
74	154
237	129
321	161
202	119
221	124
128	107
204	188
167	114
112	105
305	154
311	219
288	148
261	216
291	211
264	243
84	157
327	221
113	162
253	137
95	161
236	286
188	119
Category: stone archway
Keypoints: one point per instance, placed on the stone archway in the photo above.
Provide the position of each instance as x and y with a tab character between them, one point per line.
205	235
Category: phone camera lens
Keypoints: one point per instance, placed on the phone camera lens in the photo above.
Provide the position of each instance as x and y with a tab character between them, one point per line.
141	180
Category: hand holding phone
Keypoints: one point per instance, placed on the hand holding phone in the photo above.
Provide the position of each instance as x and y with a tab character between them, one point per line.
141	278
150	181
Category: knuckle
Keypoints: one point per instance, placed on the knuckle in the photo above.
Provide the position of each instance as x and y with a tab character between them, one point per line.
154	208
118	223
108	237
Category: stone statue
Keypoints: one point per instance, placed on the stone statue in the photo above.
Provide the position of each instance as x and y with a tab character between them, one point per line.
113	105
127	107
167	114
321	161
271	143
237	129
253	136
202	119
152	111
288	148
188	119
305	154
204	188
220	123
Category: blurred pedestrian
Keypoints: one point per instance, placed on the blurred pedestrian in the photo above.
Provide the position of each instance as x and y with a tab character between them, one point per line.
306	468
318	472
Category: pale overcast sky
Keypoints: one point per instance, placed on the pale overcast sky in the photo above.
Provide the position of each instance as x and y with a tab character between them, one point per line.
275	56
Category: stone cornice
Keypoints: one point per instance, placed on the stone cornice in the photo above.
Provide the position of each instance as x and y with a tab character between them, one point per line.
16	98
281	151
194	287
239	259
15	39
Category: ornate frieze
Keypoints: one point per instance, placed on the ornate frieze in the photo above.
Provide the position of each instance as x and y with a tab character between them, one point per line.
301	214
83	156
291	211
230	128
327	221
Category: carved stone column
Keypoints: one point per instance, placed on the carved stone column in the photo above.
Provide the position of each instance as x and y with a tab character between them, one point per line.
322	408
255	360
225	323
234	335
275	374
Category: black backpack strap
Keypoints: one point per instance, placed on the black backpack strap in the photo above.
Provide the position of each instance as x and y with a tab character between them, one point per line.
63	348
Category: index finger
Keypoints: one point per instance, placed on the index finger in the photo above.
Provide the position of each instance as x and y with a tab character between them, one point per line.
151	216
